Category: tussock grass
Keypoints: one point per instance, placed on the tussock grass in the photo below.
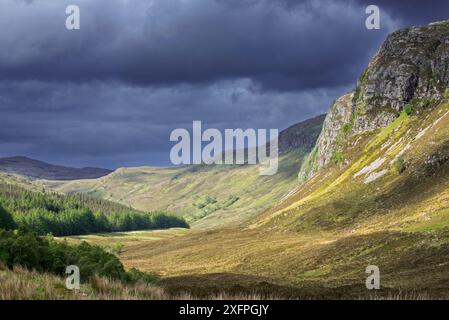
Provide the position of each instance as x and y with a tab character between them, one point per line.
21	284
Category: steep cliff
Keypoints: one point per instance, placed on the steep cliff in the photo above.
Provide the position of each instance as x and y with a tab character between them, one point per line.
410	71
339	115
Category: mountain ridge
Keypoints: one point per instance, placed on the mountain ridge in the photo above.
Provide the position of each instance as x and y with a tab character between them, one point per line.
36	169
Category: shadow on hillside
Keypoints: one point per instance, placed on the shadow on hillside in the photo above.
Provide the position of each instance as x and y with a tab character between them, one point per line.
238	285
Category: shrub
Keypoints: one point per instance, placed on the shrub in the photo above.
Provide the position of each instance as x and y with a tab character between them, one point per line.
6	220
337	157
408	109
347	129
202	203
400	165
230	201
134	275
115	248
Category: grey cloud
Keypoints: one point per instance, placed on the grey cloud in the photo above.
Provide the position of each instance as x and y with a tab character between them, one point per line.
173	41
109	121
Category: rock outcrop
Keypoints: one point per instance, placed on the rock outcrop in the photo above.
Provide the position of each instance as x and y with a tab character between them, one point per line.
410	68
338	116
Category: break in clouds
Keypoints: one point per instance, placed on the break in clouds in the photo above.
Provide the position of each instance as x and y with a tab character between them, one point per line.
110	93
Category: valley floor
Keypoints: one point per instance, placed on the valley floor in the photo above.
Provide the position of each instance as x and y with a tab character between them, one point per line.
289	265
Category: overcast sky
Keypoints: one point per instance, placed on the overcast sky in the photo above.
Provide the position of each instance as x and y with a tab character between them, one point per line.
110	93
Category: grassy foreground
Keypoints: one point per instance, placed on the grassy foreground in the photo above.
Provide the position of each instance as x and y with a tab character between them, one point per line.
21	284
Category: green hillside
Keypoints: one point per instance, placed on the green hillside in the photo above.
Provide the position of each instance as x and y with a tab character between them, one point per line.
207	196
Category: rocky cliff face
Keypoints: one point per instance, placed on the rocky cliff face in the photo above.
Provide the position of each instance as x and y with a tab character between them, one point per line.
411	68
338	116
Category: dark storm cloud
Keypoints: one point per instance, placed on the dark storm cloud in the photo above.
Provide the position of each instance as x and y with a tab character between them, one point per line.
111	93
413	12
174	41
108	124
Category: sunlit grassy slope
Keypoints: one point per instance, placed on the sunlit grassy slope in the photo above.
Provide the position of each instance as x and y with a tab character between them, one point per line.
385	204
209	196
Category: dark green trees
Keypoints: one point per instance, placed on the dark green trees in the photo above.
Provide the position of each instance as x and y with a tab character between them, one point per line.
61	215
6	220
45	254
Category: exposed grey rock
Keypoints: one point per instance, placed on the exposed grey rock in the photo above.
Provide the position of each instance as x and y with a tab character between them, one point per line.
339	114
411	64
434	162
411	67
373	121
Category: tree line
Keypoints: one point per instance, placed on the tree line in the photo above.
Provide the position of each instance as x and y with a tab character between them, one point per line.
60	215
44	254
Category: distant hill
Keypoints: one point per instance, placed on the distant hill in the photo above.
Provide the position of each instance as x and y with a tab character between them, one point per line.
209	195
301	135
36	169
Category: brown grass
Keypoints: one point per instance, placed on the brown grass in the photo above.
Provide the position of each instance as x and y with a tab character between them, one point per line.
22	284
